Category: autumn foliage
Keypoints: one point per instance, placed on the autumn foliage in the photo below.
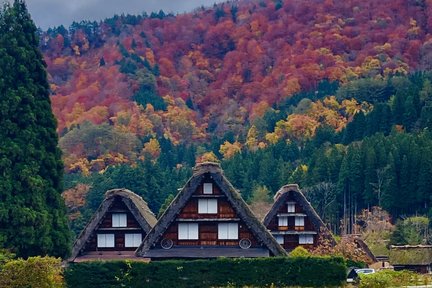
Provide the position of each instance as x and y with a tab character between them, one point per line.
213	70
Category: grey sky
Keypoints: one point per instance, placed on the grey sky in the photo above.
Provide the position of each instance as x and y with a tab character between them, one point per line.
49	13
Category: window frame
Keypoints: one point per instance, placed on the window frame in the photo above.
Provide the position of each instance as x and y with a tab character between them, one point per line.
280	239
99	240
228	231
191	229
203	206
121	222
281	222
136	239
307	239
291	205
302	224
208	188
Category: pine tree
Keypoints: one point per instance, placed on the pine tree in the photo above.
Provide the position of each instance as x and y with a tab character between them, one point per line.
32	212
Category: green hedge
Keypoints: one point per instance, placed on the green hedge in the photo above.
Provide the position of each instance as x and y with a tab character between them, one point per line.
280	271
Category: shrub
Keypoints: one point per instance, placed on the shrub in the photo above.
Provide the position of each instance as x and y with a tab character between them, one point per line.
35	272
388	278
299	252
278	271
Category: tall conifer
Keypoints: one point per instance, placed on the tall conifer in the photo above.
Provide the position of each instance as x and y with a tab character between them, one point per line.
32	212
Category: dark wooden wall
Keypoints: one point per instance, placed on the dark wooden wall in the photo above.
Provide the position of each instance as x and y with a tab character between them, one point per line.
292	240
208	230
119	233
208	235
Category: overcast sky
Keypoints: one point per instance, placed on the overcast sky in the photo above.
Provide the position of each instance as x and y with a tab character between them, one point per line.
49	13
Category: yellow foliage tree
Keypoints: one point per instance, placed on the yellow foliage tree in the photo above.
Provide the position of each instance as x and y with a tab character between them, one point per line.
152	148
228	149
207	157
252	138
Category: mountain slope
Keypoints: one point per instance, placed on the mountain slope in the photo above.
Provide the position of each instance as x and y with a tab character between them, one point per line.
188	77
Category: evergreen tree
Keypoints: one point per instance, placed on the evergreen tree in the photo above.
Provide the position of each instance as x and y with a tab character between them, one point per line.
32	212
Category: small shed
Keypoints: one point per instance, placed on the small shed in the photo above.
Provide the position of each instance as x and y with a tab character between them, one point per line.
416	258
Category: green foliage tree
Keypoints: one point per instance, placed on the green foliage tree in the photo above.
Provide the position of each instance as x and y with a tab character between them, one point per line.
260	194
411	231
36	272
32	212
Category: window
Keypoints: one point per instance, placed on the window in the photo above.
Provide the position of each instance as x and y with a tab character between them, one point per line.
228	231
188	231
208	188
280	239
306	239
105	240
299	221
133	240
207	206
291	207
283	221
119	220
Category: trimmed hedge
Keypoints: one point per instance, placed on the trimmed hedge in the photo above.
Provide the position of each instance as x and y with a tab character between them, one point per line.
279	271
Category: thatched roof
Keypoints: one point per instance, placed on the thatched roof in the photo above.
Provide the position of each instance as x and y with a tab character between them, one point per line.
234	198
362	245
136	205
292	191
410	255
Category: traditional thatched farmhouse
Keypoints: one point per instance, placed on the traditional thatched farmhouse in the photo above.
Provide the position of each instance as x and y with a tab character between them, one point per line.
207	219
293	221
116	229
417	258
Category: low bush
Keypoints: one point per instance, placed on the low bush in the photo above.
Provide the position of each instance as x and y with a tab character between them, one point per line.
389	278
278	271
35	272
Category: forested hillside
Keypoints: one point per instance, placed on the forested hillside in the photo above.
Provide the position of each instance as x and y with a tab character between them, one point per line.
335	96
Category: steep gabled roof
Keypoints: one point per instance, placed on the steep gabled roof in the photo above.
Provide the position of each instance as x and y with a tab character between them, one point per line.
292	191
233	197
136	205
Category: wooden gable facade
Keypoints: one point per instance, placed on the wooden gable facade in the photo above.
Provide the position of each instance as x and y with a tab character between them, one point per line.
207	219
116	229
293	221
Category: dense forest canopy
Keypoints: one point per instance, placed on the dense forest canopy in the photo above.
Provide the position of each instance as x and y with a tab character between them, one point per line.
335	96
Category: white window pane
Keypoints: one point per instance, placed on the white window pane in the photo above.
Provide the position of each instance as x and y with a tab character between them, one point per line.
232	231
291	207
105	240
123	220
119	220
208	188
222	231
109	240
212	206
305	239
207	206
183	231
202	206
137	239
283	221
299	221
188	231
301	239
193	231
100	240
132	240
280	239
